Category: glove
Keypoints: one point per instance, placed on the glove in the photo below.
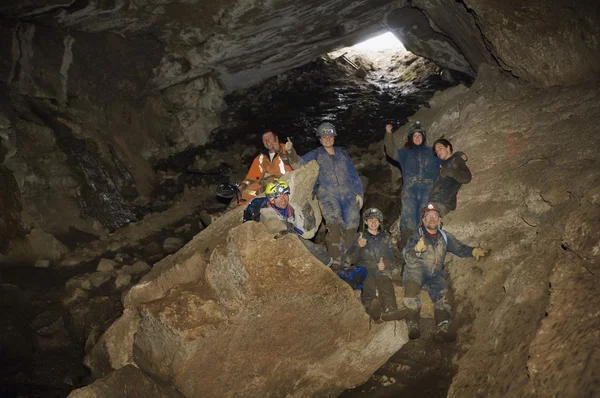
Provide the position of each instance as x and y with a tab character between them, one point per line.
480	252
359	200
421	246
288	145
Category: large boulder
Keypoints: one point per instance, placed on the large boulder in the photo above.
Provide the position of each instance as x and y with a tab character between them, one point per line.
127	382
237	312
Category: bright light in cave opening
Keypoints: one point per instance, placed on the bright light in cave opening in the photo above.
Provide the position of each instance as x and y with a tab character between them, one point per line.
385	41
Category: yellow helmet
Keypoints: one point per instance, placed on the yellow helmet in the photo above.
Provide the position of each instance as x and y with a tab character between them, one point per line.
277	188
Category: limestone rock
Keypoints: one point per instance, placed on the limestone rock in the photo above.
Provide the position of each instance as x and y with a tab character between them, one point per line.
75	294
79	281
122	281
106	265
84	316
127	382
286	312
301	182
98	279
42	263
37	244
114	350
139	267
172	244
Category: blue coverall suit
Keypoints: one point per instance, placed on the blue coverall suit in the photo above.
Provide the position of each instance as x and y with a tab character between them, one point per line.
426	270
420	168
337	186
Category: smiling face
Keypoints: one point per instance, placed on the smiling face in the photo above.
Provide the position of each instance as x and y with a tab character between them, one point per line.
327	141
281	201
373	225
417	138
271	142
443	152
431	220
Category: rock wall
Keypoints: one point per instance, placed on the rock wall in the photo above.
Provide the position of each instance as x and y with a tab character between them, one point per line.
528	314
544	42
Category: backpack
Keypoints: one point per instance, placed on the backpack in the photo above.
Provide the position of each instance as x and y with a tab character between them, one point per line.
252	211
354	276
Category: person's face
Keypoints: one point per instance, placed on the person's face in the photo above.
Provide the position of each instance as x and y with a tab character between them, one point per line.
431	220
271	142
442	152
327	141
417	138
281	201
373	224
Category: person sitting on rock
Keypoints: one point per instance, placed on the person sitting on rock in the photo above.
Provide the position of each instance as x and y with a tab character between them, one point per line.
274	160
373	250
280	218
453	174
339	191
425	253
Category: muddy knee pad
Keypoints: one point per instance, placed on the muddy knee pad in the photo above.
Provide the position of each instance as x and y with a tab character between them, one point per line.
411	295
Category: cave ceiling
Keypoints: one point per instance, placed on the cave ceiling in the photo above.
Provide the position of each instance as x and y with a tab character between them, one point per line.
243	42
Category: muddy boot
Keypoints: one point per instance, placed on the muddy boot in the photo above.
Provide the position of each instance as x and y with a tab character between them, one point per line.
412	324
444	331
374	310
394	314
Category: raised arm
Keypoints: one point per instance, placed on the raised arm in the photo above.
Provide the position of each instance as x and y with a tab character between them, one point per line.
388	142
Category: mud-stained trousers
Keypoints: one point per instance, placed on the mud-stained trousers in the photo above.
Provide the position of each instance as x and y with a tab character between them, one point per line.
379	281
415	195
342	217
434	282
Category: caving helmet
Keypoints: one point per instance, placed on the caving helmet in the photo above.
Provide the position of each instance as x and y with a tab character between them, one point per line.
416	128
277	188
326	130
373	213
430	207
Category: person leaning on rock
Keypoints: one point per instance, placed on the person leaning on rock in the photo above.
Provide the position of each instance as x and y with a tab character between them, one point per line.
280	218
274	160
419	167
425	253
373	250
453	174
339	191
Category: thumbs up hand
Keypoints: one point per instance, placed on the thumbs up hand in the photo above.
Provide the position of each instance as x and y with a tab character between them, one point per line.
420	247
289	145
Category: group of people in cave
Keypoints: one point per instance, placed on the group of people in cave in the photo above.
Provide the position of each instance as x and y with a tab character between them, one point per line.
432	177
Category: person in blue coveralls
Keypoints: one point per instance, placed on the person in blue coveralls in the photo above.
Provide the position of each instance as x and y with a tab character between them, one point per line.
339	191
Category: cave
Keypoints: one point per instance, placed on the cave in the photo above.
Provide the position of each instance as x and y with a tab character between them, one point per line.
122	273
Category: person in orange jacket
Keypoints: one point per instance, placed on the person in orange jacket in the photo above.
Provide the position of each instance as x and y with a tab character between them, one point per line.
274	160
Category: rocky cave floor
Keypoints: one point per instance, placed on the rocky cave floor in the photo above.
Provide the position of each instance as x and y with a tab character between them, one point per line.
50	327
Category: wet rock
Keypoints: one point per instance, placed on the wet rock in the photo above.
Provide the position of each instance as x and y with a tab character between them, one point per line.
172	244
184	228
122	281
37	244
127	382
106	265
74	295
79	282
42	263
138	268
98	279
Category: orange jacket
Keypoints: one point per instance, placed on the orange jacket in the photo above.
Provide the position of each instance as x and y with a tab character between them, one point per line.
262	168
